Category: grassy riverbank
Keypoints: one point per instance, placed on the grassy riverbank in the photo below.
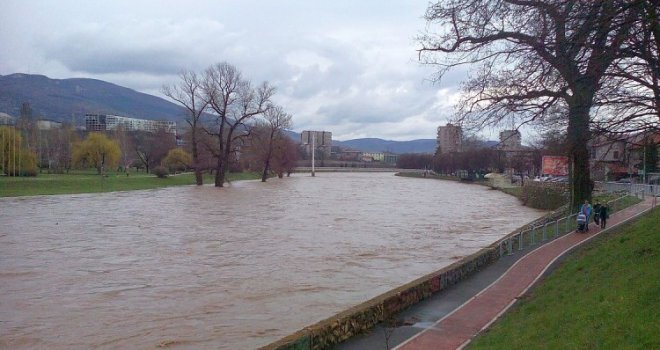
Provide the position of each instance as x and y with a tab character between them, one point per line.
434	176
547	199
88	182
605	296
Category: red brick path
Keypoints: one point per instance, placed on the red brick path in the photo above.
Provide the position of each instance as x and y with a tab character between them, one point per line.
457	328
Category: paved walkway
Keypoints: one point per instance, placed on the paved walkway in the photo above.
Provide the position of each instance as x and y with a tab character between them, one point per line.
456	329
451	318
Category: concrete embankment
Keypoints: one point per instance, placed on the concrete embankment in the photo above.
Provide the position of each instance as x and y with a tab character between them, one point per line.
363	317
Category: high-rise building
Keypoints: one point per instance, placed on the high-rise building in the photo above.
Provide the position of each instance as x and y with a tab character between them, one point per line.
449	138
510	140
322	141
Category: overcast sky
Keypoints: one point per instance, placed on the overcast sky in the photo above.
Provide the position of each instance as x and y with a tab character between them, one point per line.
349	67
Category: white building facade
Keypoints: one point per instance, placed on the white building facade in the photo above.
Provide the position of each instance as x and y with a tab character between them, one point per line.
107	122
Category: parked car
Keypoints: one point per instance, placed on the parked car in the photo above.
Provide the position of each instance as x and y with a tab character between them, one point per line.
560	179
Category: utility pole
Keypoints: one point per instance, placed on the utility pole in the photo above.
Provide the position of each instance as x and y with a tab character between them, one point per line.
313	150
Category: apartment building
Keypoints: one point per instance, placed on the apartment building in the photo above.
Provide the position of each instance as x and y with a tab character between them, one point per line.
450	138
106	122
510	140
320	140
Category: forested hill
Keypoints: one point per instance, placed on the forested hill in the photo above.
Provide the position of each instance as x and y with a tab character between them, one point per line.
380	145
61	99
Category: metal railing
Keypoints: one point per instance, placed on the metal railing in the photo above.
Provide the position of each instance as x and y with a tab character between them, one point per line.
652	190
538	234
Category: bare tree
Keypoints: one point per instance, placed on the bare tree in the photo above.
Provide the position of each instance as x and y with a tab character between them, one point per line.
632	92
535	59
151	148
62	147
121	135
276	122
188	93
285	156
234	103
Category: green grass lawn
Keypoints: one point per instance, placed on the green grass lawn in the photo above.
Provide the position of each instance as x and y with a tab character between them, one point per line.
428	176
88	182
605	296
513	191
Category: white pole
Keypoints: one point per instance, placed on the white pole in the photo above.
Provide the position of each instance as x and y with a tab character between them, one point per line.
313	150
644	165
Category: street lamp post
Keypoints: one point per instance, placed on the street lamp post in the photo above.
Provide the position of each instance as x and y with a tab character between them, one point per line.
313	150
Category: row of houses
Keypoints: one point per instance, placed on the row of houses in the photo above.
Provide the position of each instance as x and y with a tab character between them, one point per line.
365	157
623	155
611	156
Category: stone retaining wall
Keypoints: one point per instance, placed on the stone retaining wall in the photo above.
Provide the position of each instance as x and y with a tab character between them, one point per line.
363	317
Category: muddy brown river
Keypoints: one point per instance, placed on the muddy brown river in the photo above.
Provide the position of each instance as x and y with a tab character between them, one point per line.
233	268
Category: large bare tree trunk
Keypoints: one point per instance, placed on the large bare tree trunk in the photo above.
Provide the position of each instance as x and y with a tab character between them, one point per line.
222	160
199	180
264	175
223	164
269	155
577	139
221	169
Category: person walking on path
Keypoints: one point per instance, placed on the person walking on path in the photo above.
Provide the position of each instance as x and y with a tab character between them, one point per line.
586	210
597	213
602	212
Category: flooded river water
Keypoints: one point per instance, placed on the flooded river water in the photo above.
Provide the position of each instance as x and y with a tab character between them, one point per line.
233	268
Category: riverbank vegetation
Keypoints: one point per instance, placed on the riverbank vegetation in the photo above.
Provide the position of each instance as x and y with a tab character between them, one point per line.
89	182
537	195
428	175
233	127
605	296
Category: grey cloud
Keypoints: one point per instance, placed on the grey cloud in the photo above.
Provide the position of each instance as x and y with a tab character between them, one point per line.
103	60
152	47
347	67
362	108
311	81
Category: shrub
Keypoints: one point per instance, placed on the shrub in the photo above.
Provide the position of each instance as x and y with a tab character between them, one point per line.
26	165
177	160
544	196
160	171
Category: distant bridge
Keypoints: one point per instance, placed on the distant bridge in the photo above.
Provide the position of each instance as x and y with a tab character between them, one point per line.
356	169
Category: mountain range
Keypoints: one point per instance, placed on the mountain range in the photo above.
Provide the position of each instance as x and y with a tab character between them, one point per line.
380	145
62	99
70	99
